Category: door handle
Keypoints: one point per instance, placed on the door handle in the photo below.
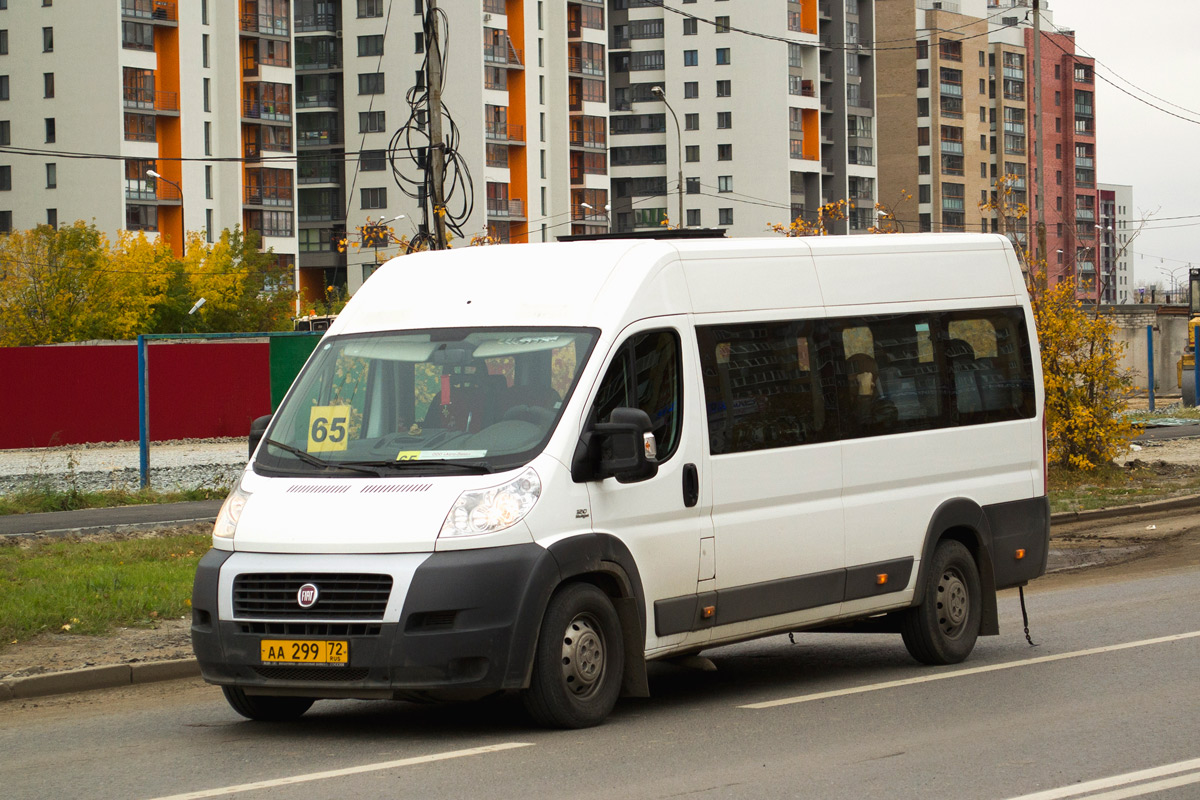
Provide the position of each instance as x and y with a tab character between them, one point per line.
691	485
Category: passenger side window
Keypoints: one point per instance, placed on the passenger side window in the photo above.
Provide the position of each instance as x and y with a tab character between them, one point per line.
647	374
989	361
762	386
887	376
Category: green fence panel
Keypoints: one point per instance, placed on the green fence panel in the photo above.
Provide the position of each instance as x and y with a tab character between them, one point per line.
288	354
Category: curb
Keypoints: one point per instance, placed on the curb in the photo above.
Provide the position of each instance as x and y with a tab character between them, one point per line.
122	528
1191	501
88	678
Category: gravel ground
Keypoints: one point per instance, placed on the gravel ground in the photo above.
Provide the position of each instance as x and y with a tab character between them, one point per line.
180	464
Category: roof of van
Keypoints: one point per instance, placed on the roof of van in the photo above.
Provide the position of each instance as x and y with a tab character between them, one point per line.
598	283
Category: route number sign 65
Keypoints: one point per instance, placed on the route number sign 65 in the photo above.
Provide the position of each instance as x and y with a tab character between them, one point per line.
327	428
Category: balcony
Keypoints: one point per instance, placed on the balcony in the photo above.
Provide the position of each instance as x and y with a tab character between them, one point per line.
319	138
267	110
155	191
309	23
320	98
494	7
274	196
591	140
266	24
507	209
951	89
503	132
504	54
319	172
155	11
585	66
139	99
952	147
322	212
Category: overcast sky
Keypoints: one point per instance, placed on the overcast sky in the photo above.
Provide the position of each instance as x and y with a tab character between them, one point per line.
1153	45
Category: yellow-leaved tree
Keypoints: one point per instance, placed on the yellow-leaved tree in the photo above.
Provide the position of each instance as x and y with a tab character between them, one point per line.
145	292
243	289
1081	358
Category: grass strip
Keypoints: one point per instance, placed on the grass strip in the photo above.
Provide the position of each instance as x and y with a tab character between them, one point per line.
91	587
38	500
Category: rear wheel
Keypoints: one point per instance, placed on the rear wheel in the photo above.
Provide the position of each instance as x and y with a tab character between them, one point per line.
579	659
264	708
944	627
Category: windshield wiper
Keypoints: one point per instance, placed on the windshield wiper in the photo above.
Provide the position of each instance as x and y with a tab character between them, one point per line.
309	458
466	466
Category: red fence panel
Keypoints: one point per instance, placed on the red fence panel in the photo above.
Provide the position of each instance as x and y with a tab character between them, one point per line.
71	394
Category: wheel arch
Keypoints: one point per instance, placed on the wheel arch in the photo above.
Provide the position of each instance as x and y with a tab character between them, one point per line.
604	561
964	521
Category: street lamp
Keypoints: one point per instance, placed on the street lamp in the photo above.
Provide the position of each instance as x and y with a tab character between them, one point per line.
658	90
182	224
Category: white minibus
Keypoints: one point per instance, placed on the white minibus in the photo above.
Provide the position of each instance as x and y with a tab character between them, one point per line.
539	467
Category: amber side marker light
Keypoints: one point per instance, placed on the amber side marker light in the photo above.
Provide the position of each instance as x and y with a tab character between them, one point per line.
881	579
1020	553
708	611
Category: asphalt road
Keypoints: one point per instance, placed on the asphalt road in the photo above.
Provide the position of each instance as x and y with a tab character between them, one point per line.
1108	696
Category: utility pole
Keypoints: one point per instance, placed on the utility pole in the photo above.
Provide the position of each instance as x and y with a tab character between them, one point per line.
1041	166
437	152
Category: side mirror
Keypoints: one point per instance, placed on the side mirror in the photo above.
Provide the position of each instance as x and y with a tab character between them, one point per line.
258	429
623	448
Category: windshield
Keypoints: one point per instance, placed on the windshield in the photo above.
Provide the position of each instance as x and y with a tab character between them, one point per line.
440	401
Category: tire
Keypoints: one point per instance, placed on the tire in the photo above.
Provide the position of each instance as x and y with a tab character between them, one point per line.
264	708
944	627
578	662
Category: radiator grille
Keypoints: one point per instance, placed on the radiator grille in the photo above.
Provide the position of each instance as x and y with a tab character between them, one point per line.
311	629
341	596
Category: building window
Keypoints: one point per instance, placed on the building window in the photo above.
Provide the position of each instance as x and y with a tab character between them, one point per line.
5	216
3	42
51	134
371	122
724	119
691	58
724	152
207	94
691	122
52	175
725	183
47	40
140	128
722	55
207	136
418	42
693	217
693	185
3	87
203	12
689	26
208	225
374	198
370	45
5	133
691	89
5	178
48	84
721	25
370	8
724	88
370	83
374	160
922	106
52	217
204	50
137	36
691	153
208	182
724	216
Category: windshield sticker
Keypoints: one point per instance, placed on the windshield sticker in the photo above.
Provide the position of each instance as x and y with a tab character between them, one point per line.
438	455
327	428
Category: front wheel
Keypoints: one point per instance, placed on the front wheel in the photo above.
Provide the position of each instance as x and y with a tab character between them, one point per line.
579	660
265	708
944	627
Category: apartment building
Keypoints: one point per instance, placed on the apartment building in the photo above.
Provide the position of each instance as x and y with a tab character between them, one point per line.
935	102
1116	256
98	96
740	115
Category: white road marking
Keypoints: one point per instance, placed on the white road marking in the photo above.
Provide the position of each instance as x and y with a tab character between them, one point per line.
874	687
1080	789
339	773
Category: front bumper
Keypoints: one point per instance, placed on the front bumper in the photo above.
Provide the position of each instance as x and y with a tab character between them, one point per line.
461	622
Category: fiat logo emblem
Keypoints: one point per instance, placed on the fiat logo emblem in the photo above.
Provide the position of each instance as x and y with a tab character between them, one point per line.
307	596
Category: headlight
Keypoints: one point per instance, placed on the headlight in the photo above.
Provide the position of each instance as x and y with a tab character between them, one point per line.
231	512
491	510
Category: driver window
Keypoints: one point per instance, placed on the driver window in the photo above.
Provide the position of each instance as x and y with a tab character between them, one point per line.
646	373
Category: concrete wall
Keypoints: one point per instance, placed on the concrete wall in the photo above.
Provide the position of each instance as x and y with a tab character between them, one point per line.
1170	338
